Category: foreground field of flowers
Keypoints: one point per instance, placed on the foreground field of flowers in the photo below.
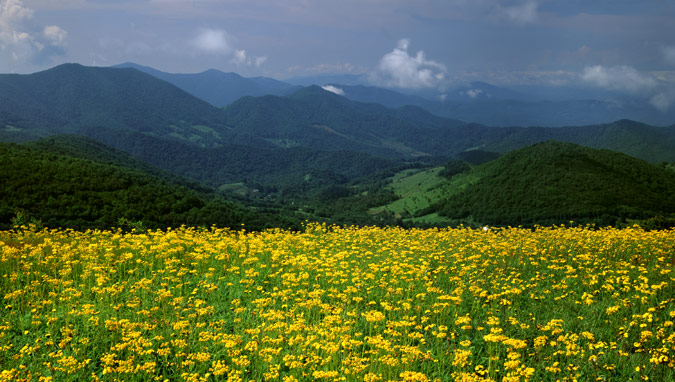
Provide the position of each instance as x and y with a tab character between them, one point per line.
338	304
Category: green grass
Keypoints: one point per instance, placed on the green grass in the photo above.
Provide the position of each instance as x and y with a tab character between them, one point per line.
235	188
419	189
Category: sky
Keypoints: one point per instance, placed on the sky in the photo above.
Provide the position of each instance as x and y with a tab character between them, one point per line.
619	45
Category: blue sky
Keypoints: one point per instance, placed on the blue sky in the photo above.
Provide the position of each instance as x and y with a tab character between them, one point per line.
619	45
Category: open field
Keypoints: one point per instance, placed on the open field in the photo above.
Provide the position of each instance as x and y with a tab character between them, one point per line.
418	189
338	304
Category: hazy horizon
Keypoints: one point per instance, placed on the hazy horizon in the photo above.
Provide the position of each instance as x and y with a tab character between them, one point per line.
620	46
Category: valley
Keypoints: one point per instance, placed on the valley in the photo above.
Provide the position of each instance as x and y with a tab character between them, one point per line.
285	154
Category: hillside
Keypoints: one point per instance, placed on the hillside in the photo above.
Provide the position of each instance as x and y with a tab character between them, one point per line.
554	182
74	99
316	118
216	87
66	191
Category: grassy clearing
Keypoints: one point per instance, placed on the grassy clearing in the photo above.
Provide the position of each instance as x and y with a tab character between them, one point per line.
338	304
419	189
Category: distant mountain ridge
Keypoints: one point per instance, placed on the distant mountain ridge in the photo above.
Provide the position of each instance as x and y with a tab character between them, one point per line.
474	102
216	87
493	106
111	105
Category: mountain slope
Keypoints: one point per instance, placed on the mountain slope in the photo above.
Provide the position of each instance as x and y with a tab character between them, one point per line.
66	191
71	98
89	149
319	119
279	167
216	87
554	182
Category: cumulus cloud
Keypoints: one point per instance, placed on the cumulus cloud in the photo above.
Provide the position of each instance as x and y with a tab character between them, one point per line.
623	78
20	42
525	13
12	14
259	61
13	11
55	35
213	41
219	42
239	56
399	69
474	93
333	89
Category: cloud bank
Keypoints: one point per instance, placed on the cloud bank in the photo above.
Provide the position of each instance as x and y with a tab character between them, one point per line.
661	95
622	78
401	70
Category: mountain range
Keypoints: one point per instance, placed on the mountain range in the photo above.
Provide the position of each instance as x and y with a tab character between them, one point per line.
302	145
107	103
475	102
216	87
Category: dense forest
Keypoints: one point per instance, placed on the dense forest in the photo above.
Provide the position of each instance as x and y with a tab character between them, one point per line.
58	190
555	182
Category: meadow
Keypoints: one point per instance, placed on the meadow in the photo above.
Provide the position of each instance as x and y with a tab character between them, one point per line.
338	304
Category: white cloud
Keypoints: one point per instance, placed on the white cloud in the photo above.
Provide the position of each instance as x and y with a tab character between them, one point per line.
239	56
213	41
658	90
622	78
219	42
12	15
333	89
259	61
398	69
525	13
13	11
19	42
473	93
55	35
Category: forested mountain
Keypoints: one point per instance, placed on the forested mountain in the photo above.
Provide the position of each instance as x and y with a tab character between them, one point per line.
67	191
216	87
278	167
105	103
555	182
313	117
75	99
